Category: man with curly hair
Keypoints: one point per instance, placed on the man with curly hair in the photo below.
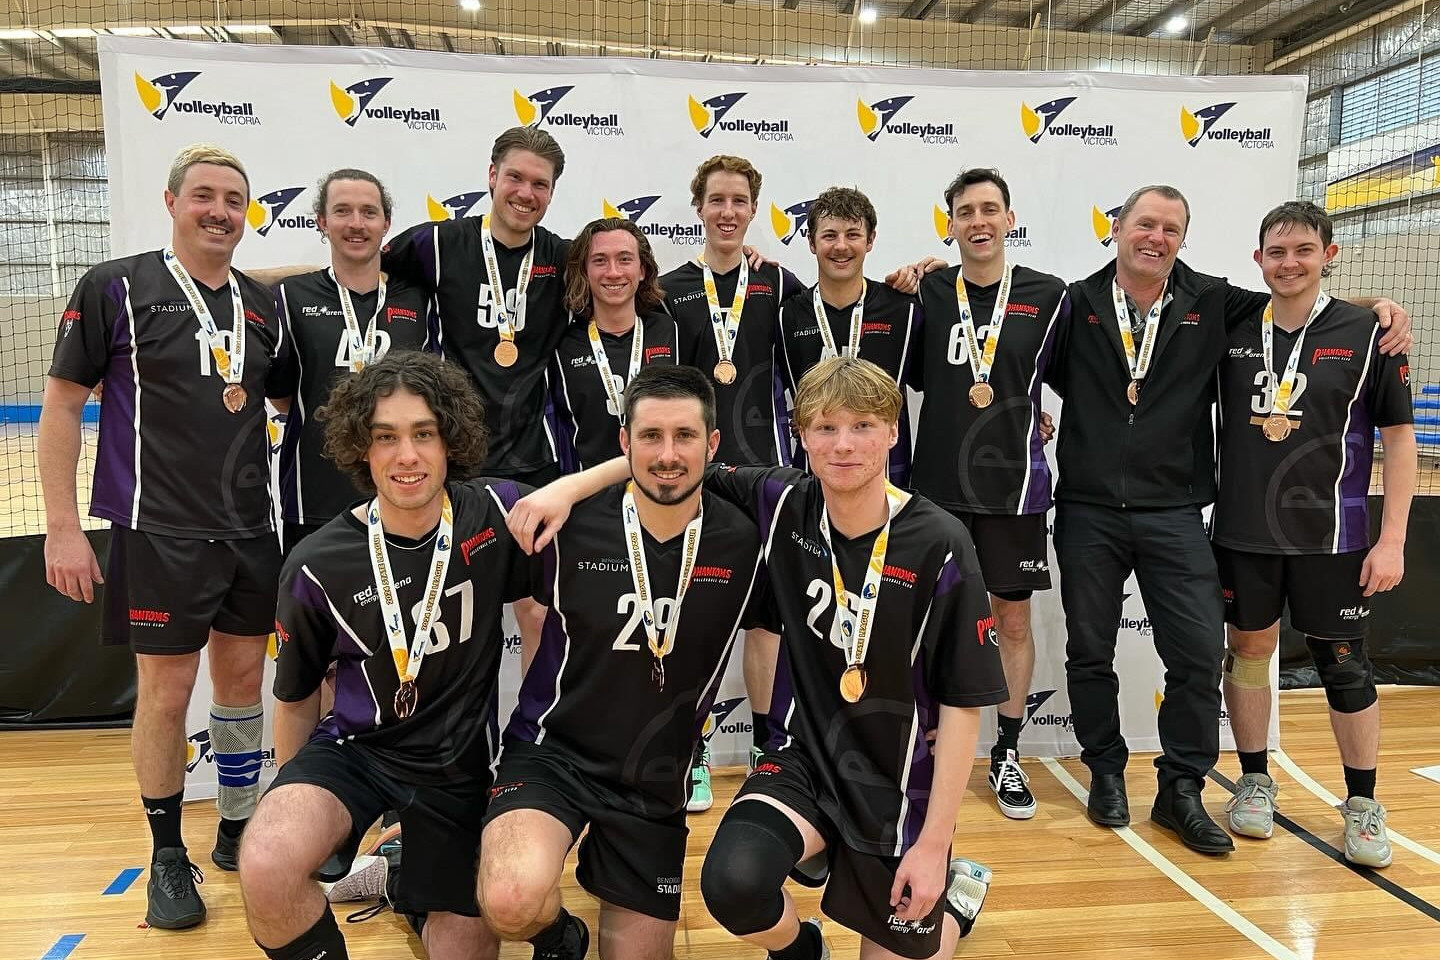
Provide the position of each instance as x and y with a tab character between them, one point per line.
404	593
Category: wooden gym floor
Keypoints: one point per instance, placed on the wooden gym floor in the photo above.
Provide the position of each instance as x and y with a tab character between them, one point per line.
1063	888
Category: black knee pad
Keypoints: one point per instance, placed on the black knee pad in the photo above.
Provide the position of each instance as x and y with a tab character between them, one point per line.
754	850
1346	672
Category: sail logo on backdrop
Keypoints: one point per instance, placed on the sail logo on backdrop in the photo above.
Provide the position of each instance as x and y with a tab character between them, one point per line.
161	95
687	234
265	212
1035	701
1203	124
1018	237
790	222
452	208
706	116
879	117
353	102
1038	121
719	713
1102	222
537	109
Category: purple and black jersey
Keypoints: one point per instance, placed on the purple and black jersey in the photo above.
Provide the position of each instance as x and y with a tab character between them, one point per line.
1308	493
988	460
329	612
172	459
933	643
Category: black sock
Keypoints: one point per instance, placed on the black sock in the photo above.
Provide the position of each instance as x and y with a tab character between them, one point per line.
1257	761
164	817
1360	783
321	940
232	829
553	936
806	945
761	731
1009	735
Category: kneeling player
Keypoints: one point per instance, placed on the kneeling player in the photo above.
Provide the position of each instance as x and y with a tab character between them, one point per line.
1291	521
405	592
615	698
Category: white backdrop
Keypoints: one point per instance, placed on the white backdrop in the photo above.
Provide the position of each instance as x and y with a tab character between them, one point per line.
1072	146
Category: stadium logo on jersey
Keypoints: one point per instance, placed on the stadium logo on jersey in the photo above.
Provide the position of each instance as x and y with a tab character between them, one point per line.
706	116
161	95
1203	124
452	208
1039	121
197	748
879	117
537	109
790	222
720	711
1018	237
1035	701
353	102
1103	223
265	212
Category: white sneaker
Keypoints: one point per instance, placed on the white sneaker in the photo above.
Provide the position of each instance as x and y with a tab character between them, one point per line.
1366	841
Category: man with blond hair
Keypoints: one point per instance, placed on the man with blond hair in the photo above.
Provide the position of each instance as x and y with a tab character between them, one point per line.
187	350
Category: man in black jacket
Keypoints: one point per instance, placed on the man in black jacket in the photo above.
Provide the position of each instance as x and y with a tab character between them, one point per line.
1135	364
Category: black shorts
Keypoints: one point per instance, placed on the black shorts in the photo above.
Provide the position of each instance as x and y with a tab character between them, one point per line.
164	594
857	885
441	824
291	533
628	859
1014	552
1324	592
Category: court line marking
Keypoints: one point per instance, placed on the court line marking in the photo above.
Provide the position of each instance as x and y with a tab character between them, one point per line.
64	947
122	881
1180	878
1309	783
1389	886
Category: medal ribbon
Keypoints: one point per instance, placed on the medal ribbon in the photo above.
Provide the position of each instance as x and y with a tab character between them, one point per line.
856	628
724	326
1286	386
362	347
407	661
230	364
857	324
980	364
602	363
1139	366
508	325
660	646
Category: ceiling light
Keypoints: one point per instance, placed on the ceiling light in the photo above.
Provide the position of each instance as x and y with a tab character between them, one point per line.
1176	24
868	14
471	5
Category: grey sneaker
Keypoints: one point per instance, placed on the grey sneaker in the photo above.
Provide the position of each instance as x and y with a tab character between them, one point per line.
965	890
172	902
1251	812
365	881
1366	841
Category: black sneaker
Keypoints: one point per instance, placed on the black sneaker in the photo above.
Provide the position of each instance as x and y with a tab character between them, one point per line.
573	947
1012	787
173	903
226	854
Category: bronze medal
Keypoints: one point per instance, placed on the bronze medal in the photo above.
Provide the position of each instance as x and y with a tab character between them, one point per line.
506	353
852	683
725	372
405	699
1276	427
234	396
1132	392
981	395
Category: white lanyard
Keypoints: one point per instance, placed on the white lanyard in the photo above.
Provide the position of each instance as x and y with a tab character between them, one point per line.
602	364
981	362
1285	384
407	660
660	647
855	628
362	346
857	324
725	327
1138	363
230	364
508	325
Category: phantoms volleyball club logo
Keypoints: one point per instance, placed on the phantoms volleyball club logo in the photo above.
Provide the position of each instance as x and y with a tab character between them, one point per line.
538	109
357	102
1204	124
161	96
882	118
708	116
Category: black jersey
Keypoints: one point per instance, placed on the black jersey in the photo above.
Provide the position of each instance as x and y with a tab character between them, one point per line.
311	489
933	643
988	460
587	425
172	459
329	612
891	331
448	260
751	415
589	693
1308	492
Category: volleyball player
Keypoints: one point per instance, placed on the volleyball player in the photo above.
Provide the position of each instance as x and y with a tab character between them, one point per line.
1302	388
614	700
187	350
612	290
338	319
404	593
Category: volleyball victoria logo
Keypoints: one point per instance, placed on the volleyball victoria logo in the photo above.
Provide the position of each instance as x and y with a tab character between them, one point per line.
356	102
160	96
